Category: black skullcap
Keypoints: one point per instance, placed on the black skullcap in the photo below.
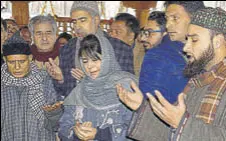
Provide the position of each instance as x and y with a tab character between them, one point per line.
16	45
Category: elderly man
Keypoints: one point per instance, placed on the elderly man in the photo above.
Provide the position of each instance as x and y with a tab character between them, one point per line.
3	36
43	30
200	111
86	19
27	95
163	65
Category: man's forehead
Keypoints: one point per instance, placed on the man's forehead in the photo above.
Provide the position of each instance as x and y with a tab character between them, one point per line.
62	40
11	23
152	24
80	14
196	30
174	9
118	24
17	57
25	30
26	34
79	17
43	26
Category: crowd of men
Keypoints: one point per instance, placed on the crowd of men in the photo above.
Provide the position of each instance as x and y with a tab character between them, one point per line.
165	81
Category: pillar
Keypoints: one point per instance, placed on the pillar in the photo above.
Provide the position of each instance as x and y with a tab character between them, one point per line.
141	9
20	12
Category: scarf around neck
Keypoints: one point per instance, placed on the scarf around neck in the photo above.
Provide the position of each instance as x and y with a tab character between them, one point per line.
215	80
35	91
44	56
100	93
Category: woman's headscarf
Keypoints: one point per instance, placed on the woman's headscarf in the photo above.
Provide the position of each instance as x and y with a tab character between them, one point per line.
100	93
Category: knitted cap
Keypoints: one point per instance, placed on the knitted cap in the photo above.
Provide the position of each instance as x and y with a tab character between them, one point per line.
211	18
16	45
89	6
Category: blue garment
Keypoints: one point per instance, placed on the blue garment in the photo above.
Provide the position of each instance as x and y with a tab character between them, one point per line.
115	121
162	70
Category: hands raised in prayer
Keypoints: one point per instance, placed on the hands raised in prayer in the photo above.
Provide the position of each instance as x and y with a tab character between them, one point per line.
55	106
132	99
171	114
54	70
85	131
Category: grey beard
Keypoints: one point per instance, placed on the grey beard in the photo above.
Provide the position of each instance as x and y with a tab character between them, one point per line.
197	66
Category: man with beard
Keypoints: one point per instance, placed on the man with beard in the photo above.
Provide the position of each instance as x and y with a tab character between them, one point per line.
200	111
163	65
148	38
154	31
86	19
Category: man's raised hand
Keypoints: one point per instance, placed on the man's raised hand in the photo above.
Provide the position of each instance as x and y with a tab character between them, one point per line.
132	99
171	114
54	70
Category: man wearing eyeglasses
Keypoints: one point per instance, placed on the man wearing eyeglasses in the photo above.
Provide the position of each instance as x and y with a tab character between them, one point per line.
154	31
163	62
199	114
163	70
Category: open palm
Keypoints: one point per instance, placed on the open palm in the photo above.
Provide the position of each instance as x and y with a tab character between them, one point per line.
132	99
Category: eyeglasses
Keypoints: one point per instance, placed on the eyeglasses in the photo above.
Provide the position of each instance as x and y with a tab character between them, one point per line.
149	33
